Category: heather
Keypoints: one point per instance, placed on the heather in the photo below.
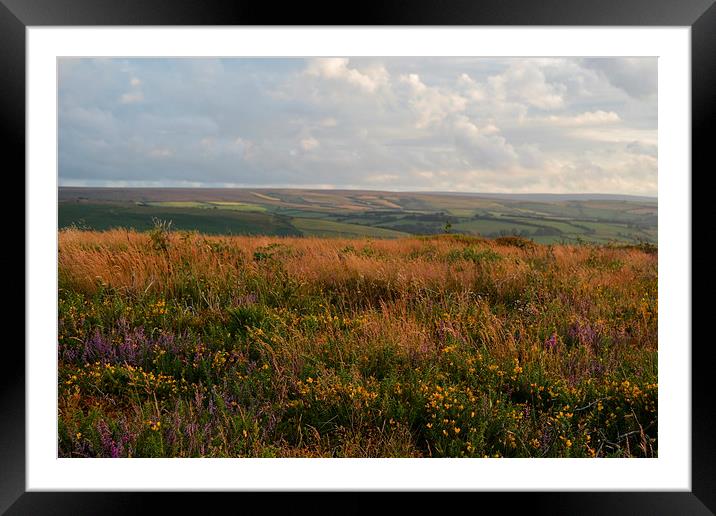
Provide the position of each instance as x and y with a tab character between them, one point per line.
178	344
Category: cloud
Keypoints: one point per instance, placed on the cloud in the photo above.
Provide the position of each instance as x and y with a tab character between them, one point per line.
636	76
161	152
135	95
465	124
309	144
483	146
637	147
430	105
616	134
336	68
525	81
589	118
131	97
471	88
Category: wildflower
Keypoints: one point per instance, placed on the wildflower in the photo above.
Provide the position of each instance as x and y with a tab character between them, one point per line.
551	342
109	446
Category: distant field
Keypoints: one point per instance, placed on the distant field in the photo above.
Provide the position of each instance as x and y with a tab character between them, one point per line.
220	205
101	216
319	227
354	213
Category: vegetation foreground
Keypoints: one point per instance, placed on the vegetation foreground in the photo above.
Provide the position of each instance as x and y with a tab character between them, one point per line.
176	344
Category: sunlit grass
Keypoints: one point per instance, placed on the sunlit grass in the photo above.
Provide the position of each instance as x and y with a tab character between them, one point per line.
180	345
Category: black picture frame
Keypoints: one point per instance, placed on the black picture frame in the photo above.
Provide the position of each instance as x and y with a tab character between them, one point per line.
700	15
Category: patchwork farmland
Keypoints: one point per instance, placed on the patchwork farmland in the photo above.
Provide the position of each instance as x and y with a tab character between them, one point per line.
348	213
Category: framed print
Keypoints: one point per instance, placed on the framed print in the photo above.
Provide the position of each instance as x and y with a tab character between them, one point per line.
414	250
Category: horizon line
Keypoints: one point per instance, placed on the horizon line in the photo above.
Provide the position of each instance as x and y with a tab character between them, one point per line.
333	188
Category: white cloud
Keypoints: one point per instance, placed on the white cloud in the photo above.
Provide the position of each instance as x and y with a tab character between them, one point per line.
589	118
430	105
336	68
525	81
471	88
616	134
484	146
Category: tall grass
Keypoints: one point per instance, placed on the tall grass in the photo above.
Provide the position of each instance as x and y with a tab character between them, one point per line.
182	345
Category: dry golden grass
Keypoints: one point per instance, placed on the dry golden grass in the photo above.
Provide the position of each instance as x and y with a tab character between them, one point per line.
348	343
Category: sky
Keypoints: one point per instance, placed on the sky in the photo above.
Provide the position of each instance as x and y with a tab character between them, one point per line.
498	125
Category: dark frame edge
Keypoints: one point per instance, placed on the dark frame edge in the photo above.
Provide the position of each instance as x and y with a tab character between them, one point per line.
384	12
703	112
13	497
12	141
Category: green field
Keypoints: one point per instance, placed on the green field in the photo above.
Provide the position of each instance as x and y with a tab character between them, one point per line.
323	228
102	216
354	213
218	205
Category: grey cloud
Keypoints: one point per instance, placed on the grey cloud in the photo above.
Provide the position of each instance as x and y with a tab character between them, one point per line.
636	76
637	147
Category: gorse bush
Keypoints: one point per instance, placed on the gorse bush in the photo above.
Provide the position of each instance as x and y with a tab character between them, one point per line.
445	346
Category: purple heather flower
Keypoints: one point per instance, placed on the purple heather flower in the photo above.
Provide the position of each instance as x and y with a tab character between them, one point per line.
551	342
584	333
109	446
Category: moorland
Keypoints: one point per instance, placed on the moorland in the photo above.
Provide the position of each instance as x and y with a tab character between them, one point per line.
179	343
